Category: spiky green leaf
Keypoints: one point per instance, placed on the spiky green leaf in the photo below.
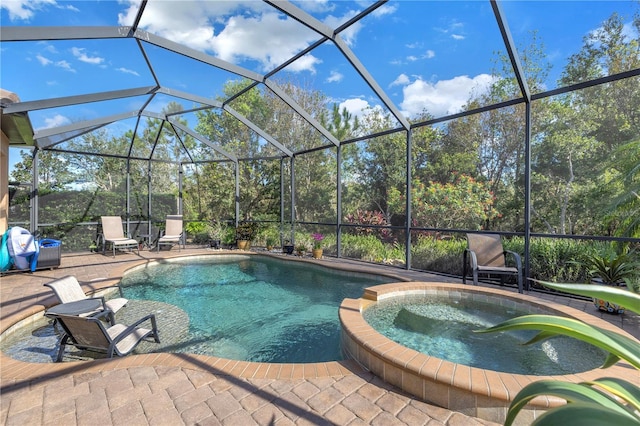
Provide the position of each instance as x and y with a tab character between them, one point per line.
571	392
621	388
621	346
612	294
579	414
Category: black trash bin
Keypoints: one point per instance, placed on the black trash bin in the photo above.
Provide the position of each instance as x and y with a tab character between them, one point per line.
50	253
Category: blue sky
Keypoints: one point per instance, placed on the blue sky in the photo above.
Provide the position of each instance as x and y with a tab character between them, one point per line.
424	54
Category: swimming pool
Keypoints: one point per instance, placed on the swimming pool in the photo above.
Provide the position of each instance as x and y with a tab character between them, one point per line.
253	308
443	327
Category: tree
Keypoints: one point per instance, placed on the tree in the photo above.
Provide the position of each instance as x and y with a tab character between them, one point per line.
53	170
462	203
381	163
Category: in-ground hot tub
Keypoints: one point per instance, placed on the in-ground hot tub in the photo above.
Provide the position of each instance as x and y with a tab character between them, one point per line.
478	392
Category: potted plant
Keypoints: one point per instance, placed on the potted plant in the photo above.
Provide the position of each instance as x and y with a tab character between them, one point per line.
215	231
317	245
245	233
229	237
270	242
301	249
612	269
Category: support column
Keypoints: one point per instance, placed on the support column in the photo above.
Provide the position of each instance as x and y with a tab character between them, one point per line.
339	201
293	202
33	198
237	192
408	205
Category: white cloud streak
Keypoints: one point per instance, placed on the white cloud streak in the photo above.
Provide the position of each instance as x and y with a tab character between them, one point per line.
442	97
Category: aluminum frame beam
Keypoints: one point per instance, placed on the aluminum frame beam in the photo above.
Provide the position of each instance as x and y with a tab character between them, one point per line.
202	139
196	55
77	99
88	124
62	33
322	29
258	130
297	108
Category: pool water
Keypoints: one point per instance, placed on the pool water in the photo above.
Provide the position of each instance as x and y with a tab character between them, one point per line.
444	328
253	308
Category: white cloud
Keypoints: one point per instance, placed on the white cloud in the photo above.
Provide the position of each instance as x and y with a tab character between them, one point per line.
128	71
384	10
24	9
317	6
457	37
83	57
232	31
401	80
335	77
43	61
429	54
60	64
65	66
354	106
55	121
443	97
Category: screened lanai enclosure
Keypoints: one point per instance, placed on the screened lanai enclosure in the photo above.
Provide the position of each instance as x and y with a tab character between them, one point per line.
392	128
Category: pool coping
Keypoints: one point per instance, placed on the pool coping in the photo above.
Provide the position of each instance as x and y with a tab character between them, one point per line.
13	369
485	394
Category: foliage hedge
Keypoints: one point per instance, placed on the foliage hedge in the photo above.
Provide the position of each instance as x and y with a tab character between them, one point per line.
76	215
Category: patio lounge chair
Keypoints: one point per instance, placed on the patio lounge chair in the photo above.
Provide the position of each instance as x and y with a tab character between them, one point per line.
89	333
485	255
172	232
67	289
113	233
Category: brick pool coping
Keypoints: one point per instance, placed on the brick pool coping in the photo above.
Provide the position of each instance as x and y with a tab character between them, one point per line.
476	392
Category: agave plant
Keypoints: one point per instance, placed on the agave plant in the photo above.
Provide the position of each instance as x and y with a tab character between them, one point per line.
606	400
612	269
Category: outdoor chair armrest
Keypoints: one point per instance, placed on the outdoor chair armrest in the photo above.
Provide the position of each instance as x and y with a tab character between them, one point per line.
101	299
130	329
471	255
516	257
468	256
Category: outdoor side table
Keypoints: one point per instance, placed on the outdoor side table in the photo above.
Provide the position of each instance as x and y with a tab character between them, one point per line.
79	307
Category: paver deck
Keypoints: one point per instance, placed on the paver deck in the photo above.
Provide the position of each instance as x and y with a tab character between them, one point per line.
174	389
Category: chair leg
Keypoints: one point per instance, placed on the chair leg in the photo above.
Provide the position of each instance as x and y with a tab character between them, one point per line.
464	267
63	343
520	287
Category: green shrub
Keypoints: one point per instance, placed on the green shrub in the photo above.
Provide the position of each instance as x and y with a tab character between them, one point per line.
437	255
371	249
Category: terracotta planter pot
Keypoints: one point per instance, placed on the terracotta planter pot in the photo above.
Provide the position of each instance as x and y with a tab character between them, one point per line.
244	244
317	253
